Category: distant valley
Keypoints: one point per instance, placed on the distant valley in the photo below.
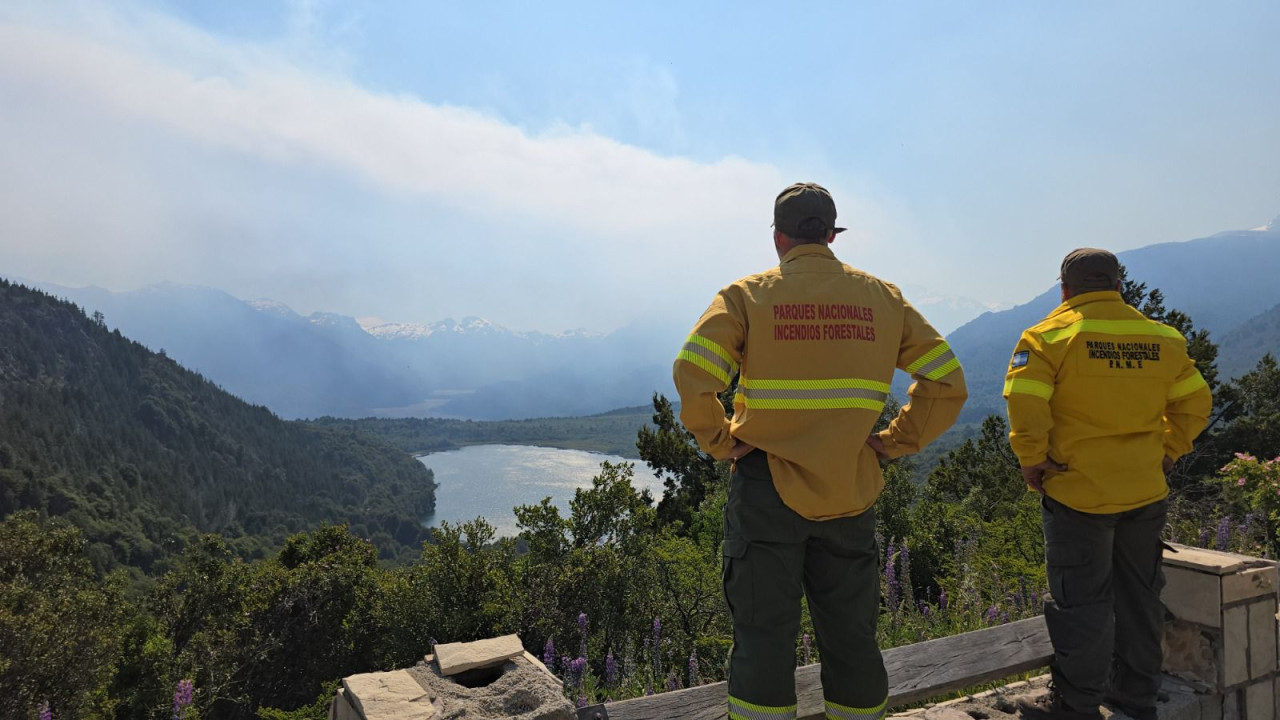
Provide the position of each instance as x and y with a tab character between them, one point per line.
328	364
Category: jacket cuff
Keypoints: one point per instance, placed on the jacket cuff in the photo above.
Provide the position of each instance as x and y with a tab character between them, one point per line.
892	449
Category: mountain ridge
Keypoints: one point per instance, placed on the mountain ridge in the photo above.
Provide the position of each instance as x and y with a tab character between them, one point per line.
1222	282
143	454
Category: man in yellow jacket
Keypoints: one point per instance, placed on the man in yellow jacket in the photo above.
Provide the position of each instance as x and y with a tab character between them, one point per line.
1101	402
813	344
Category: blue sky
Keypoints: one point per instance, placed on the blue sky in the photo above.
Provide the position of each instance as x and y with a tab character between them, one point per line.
561	165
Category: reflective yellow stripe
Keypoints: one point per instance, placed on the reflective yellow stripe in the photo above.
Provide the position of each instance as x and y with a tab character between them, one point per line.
942	370
743	710
835	711
1111	327
713	347
824	394
937	352
710	357
1184	388
1028	387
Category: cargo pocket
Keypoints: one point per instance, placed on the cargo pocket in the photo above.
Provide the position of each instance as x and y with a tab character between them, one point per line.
739	593
1069	573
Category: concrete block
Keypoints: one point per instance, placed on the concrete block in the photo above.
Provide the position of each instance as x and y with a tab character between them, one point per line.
340	709
391	695
1249	584
1193	596
1262	638
1231	705
1209	561
1260	701
454	658
1235	646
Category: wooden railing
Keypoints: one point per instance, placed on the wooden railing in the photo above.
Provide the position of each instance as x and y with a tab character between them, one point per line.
916	672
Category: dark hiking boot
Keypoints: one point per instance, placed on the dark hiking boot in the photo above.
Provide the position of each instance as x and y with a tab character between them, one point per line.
1133	711
1052	707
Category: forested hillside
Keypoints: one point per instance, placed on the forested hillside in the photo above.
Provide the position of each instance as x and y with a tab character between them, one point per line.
613	432
143	455
621	595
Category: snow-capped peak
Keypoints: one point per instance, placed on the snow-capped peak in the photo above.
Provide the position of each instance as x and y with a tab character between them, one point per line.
272	307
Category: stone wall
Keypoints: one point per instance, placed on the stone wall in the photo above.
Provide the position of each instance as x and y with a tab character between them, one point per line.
1223	637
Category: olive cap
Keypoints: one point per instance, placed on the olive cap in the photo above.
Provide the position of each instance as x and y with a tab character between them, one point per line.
1087	269
801	202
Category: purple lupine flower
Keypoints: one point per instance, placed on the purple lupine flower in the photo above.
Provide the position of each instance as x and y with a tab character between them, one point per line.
549	654
577	672
582	630
657	647
925	610
45	713
610	670
182	698
807	643
1204	537
992	614
672	683
1224	533
693	669
1004	617
582	701
891	580
904	573
942	601
566	670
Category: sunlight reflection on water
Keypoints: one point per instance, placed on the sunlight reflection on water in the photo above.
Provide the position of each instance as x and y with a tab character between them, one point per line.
489	480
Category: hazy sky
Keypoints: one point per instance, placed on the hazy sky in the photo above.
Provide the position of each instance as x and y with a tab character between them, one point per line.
557	165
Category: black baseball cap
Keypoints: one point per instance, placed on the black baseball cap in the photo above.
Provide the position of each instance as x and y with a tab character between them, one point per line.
1088	269
803	202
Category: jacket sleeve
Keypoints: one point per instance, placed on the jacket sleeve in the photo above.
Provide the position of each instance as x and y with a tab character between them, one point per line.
1028	387
1187	410
938	393
705	366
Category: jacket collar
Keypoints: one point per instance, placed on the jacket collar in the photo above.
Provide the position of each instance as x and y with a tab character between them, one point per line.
807	249
1076	301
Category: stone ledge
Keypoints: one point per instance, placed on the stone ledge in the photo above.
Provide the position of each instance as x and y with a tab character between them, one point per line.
391	695
1213	562
454	658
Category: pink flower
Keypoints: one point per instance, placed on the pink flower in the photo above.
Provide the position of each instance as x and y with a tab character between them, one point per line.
1240	481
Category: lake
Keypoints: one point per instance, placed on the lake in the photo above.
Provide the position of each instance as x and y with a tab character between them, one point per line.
489	480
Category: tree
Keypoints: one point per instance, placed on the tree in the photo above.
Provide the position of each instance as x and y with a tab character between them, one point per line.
1255	411
687	473
60	624
976	498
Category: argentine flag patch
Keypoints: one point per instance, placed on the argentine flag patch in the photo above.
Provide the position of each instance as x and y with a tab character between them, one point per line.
1019	359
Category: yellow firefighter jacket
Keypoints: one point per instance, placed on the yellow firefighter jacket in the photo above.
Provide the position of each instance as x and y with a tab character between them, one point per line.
1098	387
816	343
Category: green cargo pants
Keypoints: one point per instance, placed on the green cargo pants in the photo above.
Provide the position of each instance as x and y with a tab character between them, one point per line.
1106	619
771	556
